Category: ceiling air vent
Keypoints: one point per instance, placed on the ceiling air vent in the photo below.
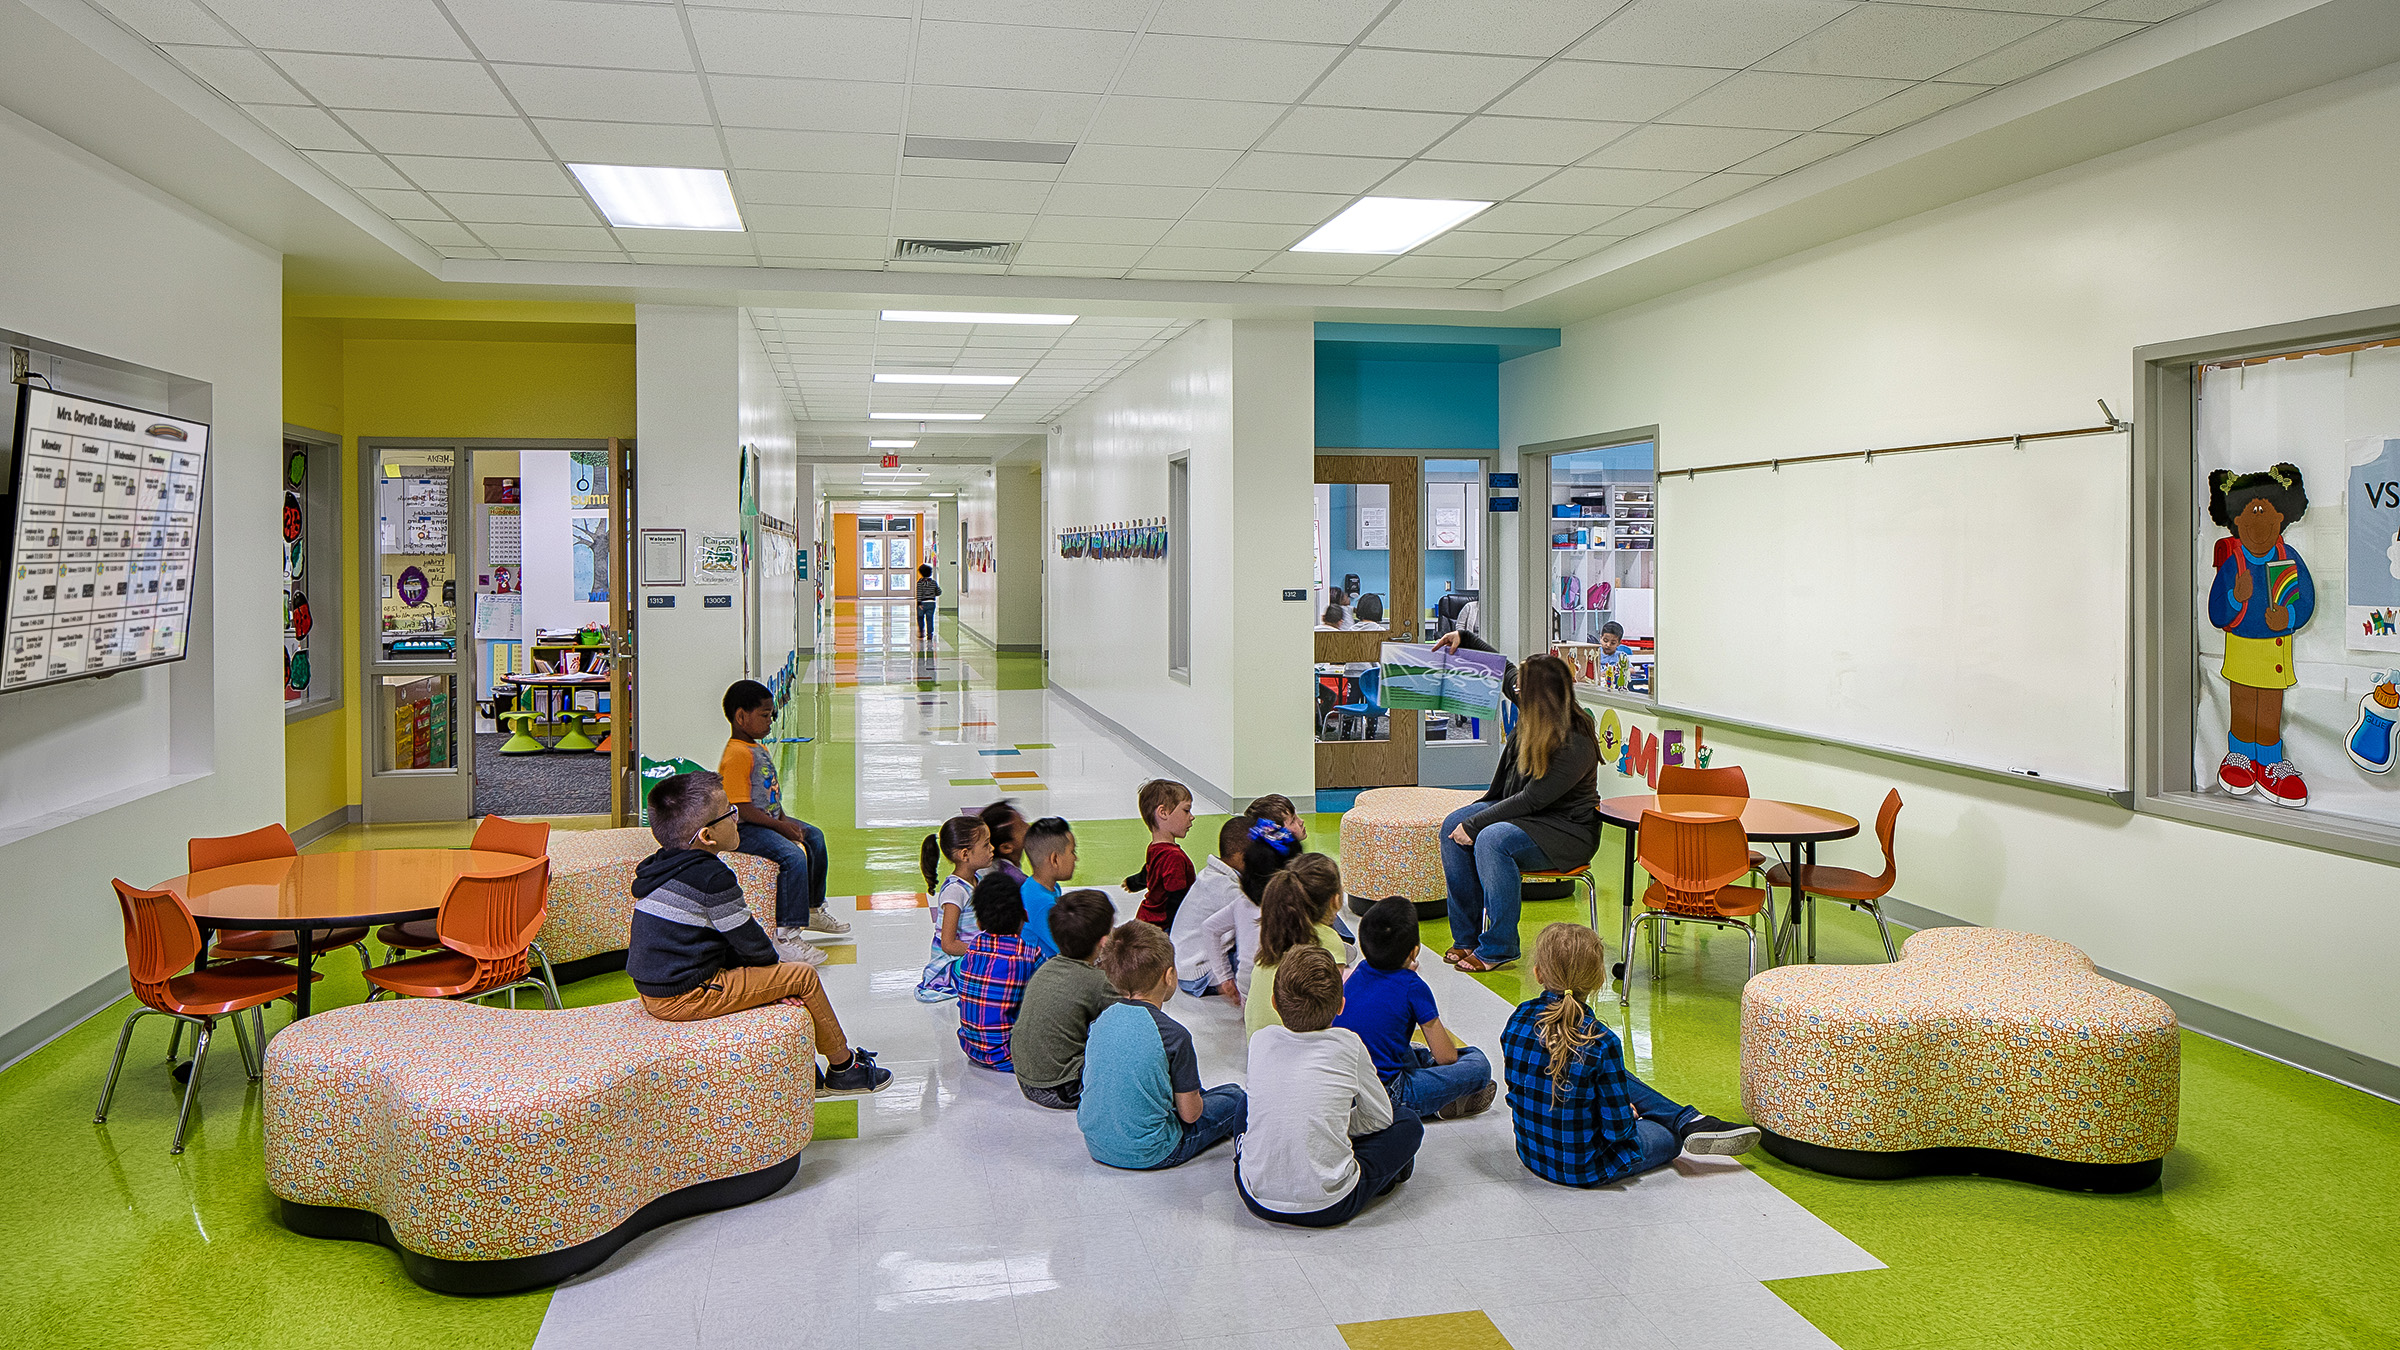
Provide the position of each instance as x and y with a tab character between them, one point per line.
950	250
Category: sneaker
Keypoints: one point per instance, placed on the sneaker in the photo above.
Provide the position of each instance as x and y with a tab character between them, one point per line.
859	1075
2372	736
794	950
1707	1134
1395	1182
822	921
2281	784
1473	1103
2237	774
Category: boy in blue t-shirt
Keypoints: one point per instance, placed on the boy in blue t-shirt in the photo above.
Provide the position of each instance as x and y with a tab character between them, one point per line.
1049	866
1143	1107
1385	1000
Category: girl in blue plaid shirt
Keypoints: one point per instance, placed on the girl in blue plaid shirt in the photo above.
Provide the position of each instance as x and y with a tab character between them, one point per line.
1581	1119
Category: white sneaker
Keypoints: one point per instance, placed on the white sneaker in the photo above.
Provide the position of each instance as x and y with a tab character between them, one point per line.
793	950
822	921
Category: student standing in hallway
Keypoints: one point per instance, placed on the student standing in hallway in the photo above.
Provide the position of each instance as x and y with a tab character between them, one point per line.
928	591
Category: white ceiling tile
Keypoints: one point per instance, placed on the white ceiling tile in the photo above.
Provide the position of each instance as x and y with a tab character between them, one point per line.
684	241
1487	244
1172	66
1914	102
935	166
1713	189
1433	81
1273	172
2020	6
1111	199
808	46
1461	181
506	208
1518	271
953	268
1901	42
853	220
813	151
857	248
1606	92
1436	268
1118	15
1509	27
1581	246
1525	140
1041	253
1281	278
607	95
1176	274
1640	218
1797	151
540	177
1066	229
1150	165
2143	11
1700	149
1233	234
371	27
238	73
1543	217
1325	264
360	170
997	114
165	21
1011	56
1357	131
1729	34
1334	21
2061	41
567	255
692	259
1611	187
305	128
440	233
766	187
594	236
634	143
403	204
398	84
1268	208
1208	259
569	33
1760	98
920	192
408	133
808	105
1197	123
1003	226
449	251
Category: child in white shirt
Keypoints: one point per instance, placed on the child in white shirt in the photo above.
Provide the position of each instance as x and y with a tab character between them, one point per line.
1322	1139
967	843
1197	955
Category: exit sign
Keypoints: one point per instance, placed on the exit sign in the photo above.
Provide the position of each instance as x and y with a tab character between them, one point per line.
891	461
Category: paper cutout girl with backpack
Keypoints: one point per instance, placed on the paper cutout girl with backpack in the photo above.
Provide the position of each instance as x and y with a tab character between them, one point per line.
2261	597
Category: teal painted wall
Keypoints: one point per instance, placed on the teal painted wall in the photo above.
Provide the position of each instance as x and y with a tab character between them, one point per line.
1407	405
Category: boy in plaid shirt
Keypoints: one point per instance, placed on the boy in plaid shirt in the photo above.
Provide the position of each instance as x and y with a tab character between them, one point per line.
992	975
1581	1119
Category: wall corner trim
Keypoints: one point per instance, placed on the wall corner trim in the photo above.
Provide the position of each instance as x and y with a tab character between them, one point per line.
327	824
1191	780
63	1016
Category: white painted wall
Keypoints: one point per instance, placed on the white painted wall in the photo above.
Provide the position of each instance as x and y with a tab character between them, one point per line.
1238	397
1003	607
687	383
545	479
126	769
2013	311
767	428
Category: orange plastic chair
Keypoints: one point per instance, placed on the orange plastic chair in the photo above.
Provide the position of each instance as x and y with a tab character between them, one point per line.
1729	781
494	834
160	940
267	841
1693	863
486	925
1849	886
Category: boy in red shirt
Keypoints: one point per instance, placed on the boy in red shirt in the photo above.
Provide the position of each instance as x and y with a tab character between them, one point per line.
1166	807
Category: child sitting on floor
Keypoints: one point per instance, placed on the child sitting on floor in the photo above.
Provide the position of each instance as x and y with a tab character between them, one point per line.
1268	850
1062	998
992	975
1197	955
1297	911
967	842
1323	1137
696	952
1166	874
1007	825
796	847
1049	866
1278	808
1143	1107
1581	1119
1385	1000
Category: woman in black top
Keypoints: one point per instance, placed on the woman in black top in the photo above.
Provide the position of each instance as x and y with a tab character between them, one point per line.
1540	814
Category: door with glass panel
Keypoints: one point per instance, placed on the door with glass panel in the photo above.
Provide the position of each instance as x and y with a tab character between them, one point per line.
1458	750
1366	592
414	640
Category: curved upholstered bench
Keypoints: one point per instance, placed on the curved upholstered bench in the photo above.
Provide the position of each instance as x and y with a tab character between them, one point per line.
591	897
1392	843
498	1150
1980	1051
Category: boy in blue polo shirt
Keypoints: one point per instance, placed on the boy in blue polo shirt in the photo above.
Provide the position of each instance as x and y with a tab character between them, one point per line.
1385	1000
1049	866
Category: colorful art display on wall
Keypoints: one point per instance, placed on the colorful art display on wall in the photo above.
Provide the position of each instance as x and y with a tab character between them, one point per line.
980	555
297	620
2261	597
1109	543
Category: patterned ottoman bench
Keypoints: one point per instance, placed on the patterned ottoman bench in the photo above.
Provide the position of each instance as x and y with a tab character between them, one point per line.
498	1150
1392	845
1980	1051
591	897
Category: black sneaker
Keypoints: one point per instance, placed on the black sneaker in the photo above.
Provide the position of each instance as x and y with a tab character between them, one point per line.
1707	1134
1471	1104
1394	1183
859	1075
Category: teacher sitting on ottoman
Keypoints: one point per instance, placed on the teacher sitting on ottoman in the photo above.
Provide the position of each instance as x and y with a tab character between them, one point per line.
1540	814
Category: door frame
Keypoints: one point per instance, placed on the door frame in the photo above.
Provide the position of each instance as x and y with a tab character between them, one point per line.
1391	762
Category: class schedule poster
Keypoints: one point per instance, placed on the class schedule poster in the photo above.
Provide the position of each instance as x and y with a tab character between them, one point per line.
103	509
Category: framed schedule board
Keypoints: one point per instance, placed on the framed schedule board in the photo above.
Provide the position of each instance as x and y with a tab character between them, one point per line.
103	513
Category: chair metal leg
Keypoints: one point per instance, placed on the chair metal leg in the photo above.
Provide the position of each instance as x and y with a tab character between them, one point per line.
1812	929
174	1040
241	1042
191	1086
1658	947
1890	952
550	981
1750	931
108	1088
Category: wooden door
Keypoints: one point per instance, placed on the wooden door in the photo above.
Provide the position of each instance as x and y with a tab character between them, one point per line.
1353	750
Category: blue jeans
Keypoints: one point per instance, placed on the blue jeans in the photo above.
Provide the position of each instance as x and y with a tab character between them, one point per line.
1659	1133
1428	1087
925	619
1199	986
799	869
1486	880
1224	1113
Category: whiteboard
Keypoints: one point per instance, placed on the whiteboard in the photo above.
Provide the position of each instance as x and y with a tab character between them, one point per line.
1970	606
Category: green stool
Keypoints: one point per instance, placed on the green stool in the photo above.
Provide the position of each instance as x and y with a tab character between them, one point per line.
573	739
520	741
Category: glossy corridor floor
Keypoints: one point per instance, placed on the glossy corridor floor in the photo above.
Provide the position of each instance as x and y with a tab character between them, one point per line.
947	1211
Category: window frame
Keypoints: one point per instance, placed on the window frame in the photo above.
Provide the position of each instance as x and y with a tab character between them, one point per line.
328	580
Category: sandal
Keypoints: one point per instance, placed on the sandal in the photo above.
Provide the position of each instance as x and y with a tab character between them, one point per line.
1476	965
1451	957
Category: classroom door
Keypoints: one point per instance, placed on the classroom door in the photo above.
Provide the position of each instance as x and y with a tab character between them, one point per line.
1366	593
624	762
419	670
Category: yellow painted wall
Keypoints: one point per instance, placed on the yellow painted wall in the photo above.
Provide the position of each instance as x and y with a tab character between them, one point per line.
369	367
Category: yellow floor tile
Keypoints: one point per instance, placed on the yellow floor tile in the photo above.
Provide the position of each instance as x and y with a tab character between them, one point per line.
1443	1331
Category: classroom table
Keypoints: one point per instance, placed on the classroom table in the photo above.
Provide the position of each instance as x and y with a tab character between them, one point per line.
555	686
317	891
1765	821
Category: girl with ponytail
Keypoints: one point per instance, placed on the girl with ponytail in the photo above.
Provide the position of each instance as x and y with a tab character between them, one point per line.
1581	1119
967	842
1296	909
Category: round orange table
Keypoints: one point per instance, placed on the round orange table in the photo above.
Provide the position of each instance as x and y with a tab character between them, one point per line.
317	891
1763	820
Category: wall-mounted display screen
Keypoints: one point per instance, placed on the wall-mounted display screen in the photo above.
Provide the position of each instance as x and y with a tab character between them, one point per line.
103	512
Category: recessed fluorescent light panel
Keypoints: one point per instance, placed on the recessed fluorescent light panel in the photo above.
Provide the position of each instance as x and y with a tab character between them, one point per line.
926	417
940	377
1387	225
950	316
660	199
891	445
